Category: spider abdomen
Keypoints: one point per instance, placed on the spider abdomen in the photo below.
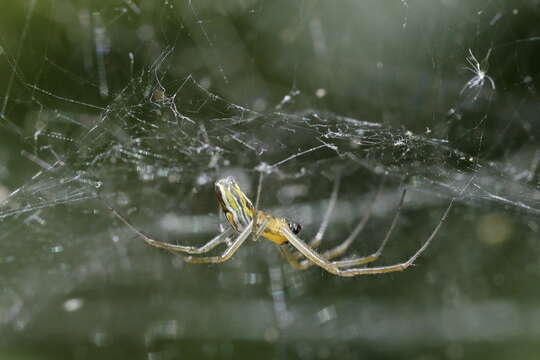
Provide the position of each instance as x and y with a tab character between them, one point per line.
239	211
235	204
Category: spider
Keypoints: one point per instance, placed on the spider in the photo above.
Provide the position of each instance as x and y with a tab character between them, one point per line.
480	74
240	214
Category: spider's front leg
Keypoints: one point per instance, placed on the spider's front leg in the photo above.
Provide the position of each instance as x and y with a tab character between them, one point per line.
304	264
335	269
342	248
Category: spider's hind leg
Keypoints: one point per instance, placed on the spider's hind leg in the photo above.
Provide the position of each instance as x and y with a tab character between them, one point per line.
226	255
215	241
229	252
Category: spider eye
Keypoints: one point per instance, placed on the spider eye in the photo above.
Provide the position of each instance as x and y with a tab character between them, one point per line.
295	227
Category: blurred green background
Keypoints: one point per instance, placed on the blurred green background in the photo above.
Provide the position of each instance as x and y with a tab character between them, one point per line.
144	104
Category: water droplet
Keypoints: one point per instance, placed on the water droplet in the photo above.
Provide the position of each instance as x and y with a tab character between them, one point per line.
73	304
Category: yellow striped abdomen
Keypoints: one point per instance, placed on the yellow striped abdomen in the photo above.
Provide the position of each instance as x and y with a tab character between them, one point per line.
239	212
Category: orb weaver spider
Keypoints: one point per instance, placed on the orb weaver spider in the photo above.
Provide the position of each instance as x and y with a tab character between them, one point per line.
240	214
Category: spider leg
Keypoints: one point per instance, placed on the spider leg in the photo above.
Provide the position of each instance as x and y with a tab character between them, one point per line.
223	237
227	254
491	82
303	265
316	241
256	232
469	85
335	269
215	241
471	59
340	249
291	257
260	229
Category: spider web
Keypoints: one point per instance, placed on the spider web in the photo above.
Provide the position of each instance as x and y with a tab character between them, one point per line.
153	102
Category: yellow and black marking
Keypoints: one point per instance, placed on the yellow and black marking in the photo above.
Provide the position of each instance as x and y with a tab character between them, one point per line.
235	204
239	212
